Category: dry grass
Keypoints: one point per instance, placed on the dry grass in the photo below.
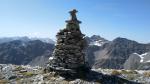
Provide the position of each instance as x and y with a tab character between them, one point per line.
146	74
4	82
28	74
116	73
129	72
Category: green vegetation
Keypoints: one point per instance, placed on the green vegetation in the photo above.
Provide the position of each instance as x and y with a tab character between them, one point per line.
19	68
129	72
28	74
115	72
132	72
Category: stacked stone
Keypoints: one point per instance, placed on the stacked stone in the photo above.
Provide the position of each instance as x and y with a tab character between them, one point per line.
69	50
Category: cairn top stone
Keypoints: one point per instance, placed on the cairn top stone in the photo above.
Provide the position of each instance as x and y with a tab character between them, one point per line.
73	17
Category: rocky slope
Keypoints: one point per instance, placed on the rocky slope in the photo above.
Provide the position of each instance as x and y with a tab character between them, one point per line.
95	43
96	40
137	61
13	74
20	52
114	54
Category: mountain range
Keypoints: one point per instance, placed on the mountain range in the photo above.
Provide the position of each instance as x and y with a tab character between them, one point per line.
115	53
25	39
25	52
121	53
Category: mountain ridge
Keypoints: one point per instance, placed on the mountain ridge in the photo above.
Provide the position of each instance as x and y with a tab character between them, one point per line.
25	39
105	54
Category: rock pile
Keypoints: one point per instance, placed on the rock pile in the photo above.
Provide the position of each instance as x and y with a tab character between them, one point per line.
6	71
15	74
69	53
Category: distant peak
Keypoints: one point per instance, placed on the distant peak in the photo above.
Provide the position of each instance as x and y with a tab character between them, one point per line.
120	39
96	36
97	40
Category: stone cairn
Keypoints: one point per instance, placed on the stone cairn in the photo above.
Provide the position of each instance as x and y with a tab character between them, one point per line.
69	53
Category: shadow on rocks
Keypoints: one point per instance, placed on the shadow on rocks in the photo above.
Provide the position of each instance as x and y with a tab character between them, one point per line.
93	76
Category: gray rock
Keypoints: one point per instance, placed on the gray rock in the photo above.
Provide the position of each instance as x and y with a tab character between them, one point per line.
133	62
7	71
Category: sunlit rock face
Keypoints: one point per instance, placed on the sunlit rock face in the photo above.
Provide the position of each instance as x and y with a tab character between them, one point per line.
69	53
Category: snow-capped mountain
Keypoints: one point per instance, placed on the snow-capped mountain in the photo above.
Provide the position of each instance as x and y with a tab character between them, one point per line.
25	39
97	43
96	40
116	53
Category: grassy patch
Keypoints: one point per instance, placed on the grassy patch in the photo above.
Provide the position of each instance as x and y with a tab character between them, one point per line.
28	74
129	72
116	73
18	68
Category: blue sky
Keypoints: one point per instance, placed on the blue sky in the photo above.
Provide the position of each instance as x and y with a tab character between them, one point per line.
107	18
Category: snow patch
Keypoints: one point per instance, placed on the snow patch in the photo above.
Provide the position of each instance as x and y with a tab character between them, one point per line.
142	56
97	43
51	58
148	61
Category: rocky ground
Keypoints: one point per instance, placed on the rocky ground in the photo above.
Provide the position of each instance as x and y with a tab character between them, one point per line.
13	74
